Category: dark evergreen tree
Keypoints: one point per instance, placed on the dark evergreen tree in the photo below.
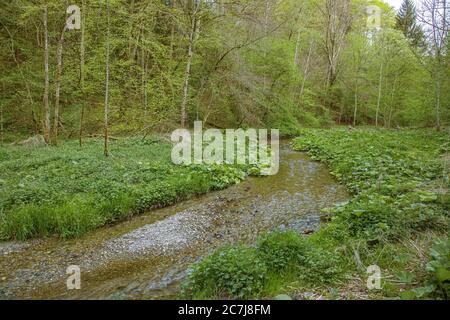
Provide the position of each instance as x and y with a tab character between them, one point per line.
407	23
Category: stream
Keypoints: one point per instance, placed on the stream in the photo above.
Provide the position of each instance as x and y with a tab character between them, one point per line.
147	256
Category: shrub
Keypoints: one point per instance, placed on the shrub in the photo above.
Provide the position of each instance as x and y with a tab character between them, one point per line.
369	216
236	272
322	267
247	272
282	250
439	268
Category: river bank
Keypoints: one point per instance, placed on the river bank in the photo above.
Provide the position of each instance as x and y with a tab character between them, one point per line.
147	256
395	227
66	191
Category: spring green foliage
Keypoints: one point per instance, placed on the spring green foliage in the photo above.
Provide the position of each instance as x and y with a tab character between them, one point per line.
395	176
398	179
62	191
282	250
245	272
406	21
438	278
255	63
233	271
439	268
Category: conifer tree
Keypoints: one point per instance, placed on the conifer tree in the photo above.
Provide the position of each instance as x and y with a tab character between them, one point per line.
406	21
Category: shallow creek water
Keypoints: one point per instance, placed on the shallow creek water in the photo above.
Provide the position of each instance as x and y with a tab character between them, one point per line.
147	256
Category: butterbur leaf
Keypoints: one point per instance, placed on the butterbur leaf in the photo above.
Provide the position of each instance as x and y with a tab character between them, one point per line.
405	277
442	274
422	292
358	213
428	197
408	295
402	258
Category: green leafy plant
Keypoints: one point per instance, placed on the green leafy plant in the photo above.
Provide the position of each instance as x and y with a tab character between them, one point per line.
281	250
60	191
236	272
439	268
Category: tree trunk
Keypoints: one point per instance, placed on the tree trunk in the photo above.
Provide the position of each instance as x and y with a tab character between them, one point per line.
27	87
438	98
266	17
297	48
305	74
172	33
144	73
82	49
58	86
106	147
379	95
356	104
187	72
443	31
338	21
46	82
391	109
1	120
130	39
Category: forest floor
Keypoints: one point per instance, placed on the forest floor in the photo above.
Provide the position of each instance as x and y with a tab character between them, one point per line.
397	222
66	190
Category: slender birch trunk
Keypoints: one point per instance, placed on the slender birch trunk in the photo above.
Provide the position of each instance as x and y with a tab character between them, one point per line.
438	98
46	82
305	74
187	72
1	120
379	95
130	39
82	62
297	47
356	104
143	71
172	33
106	145
392	101
443	31
59	51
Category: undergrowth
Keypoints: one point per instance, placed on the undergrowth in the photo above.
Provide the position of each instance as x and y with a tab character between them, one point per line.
67	191
397	219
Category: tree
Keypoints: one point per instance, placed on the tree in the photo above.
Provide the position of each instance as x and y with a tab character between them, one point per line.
337	24
259	63
25	81
106	111
434	14
187	73
1	120
47	81
406	21
59	53
82	67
